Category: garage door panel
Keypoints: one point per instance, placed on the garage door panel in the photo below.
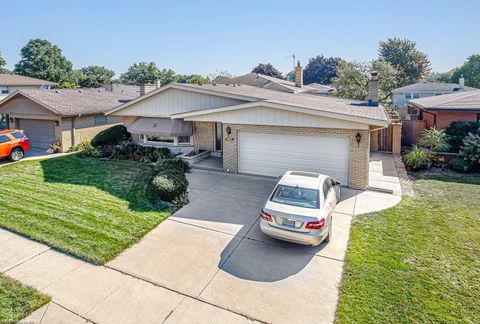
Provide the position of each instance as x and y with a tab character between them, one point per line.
273	154
40	132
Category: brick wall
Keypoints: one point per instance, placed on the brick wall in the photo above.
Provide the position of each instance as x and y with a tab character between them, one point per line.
444	119
358	153
203	138
85	129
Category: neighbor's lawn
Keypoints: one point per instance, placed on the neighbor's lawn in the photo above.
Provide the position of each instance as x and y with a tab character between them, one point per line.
17	300
90	208
419	261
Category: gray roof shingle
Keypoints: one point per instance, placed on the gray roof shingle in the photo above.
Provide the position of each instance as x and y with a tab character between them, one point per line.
267	82
460	101
431	86
20	80
321	103
73	102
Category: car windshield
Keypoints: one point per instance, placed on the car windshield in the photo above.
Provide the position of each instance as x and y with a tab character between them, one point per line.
296	196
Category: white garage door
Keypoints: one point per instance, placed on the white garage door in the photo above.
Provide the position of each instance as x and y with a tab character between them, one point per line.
273	154
40	132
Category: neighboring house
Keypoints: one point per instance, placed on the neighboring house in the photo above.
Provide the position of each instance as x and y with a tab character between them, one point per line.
441	111
9	83
259	131
401	96
127	89
272	83
67	116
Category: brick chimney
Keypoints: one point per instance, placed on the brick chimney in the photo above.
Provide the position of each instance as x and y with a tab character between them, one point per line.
148	87
298	75
461	82
373	89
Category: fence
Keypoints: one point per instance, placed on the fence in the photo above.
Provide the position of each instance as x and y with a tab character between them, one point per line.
412	131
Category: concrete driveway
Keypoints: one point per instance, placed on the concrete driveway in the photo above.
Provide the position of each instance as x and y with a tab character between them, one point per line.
212	250
31	154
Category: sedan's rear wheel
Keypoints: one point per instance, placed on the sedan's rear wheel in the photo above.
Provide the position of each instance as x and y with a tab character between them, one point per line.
16	155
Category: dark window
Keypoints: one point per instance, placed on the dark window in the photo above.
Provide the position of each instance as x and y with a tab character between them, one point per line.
18	135
478	117
100	120
296	196
4	139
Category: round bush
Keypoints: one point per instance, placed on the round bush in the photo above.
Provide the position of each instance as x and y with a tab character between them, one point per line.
170	185
459	165
172	164
111	136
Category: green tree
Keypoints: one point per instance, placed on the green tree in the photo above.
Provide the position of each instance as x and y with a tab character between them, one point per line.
352	79
40	59
470	71
290	76
412	65
94	76
267	69
219	76
141	73
2	64
192	78
321	69
167	76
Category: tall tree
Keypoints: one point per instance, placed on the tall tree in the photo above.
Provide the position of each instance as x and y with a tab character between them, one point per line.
192	78
470	71
143	72
267	69
40	59
220	75
2	64
412	65
352	79
140	73
94	76
321	69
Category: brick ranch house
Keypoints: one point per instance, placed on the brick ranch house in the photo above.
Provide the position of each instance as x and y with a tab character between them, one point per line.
441	111
69	117
260	131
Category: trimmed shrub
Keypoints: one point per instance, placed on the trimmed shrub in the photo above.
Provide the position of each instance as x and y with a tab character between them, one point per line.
174	163
140	153
460	165
416	159
457	131
111	136
471	150
170	185
82	146
91	152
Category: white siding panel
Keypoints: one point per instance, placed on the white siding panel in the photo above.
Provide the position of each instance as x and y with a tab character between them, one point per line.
275	116
174	101
274	154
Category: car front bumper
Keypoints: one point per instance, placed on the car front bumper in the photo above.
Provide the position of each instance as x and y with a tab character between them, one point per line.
309	238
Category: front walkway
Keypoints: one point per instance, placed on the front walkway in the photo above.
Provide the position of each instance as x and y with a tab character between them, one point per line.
208	263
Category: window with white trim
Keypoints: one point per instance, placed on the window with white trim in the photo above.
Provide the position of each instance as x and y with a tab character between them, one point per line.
408	95
4	90
100	120
415	95
169	140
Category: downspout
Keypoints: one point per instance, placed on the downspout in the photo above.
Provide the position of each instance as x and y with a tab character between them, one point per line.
72	130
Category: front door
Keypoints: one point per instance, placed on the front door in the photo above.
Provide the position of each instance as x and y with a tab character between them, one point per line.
218	136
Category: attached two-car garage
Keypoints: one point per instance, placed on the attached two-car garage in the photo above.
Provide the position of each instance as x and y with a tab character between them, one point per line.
271	154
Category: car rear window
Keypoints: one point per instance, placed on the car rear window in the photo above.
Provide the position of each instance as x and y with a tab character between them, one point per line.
4	138
296	196
18	135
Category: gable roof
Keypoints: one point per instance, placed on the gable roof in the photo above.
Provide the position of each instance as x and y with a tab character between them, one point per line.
267	82
20	80
260	95
70	102
431	86
461	101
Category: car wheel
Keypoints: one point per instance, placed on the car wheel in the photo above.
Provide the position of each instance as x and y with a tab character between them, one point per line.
330	231
16	155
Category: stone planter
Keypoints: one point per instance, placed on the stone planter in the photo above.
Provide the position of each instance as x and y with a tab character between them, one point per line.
192	159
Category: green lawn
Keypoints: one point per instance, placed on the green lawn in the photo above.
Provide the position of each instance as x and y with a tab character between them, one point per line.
17	300
419	261
90	208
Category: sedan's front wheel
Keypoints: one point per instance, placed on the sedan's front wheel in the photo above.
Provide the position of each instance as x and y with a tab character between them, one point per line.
16	155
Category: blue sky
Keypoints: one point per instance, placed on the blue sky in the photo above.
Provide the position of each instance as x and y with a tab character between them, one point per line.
204	36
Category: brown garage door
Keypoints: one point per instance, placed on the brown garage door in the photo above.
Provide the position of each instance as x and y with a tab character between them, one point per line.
40	132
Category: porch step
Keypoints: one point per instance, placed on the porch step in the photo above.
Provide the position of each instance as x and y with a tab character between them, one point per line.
389	191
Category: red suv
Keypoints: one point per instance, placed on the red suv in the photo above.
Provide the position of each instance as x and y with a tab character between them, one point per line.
13	144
